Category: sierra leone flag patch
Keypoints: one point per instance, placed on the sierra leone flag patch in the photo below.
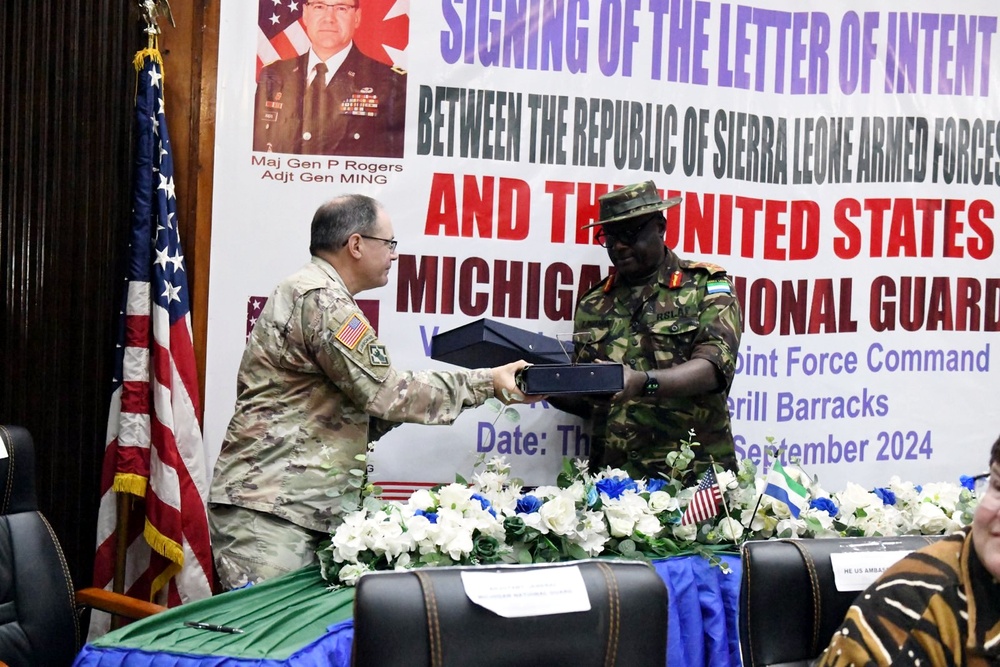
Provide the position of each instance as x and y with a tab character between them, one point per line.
718	287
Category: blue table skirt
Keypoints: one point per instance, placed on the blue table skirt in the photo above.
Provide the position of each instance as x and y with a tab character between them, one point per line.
702	622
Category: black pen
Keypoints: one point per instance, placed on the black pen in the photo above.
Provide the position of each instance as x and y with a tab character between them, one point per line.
215	628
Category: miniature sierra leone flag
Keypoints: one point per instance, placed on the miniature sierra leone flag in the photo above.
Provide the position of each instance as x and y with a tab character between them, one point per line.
782	487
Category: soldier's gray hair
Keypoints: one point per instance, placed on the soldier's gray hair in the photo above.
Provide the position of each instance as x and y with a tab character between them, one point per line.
337	219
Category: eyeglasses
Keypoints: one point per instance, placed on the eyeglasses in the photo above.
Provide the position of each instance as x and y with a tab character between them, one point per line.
626	236
392	243
338	9
981	485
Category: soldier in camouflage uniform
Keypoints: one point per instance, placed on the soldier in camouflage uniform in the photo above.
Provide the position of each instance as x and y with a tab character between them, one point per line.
675	325
315	386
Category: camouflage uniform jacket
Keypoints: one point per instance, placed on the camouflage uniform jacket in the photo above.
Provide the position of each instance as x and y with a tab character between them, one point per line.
689	311
315	386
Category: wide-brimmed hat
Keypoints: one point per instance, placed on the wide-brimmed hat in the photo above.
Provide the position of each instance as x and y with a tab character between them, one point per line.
631	201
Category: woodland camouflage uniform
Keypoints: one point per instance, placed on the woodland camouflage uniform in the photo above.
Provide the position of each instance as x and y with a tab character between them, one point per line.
690	311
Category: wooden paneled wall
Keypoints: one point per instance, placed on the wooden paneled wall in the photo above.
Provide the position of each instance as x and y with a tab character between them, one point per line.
66	99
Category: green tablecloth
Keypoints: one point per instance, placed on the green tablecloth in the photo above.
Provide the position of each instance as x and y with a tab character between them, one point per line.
300	609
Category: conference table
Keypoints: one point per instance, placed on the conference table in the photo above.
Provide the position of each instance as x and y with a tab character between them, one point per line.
295	620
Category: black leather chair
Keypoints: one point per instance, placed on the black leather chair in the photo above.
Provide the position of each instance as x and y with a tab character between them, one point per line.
789	604
39	610
424	618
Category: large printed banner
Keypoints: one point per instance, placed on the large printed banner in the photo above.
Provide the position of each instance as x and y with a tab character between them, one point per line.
842	163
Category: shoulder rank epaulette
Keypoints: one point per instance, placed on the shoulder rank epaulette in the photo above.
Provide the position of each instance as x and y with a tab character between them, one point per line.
705	266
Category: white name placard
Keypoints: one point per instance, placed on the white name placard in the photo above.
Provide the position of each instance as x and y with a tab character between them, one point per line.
517	593
858	570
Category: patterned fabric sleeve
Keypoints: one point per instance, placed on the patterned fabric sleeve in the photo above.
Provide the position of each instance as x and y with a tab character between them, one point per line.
915	614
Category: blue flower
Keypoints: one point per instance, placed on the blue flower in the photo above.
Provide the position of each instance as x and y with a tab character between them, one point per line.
485	503
824	504
968	482
653	485
887	496
528	505
592	496
614	487
431	516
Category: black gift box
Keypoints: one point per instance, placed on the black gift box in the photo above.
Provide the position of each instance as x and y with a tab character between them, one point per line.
571	379
485	343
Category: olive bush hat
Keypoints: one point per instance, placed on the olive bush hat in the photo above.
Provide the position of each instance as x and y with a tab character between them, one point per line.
631	201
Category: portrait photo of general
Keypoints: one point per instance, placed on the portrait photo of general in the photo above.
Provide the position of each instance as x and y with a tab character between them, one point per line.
329	77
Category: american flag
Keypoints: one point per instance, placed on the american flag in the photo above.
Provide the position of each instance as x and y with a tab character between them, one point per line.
382	35
402	491
154	445
705	503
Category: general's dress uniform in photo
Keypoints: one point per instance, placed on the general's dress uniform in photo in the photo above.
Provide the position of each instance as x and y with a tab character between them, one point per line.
361	112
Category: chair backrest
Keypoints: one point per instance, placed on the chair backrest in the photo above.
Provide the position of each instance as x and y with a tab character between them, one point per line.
38	620
425	617
789	603
17	470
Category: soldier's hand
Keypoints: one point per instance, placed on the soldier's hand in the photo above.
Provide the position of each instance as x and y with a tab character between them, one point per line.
505	387
632	386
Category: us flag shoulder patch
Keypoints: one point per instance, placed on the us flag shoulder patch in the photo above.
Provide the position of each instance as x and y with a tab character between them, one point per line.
352	331
718	287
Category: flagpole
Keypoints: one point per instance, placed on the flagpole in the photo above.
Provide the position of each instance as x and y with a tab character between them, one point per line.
760	497
722	495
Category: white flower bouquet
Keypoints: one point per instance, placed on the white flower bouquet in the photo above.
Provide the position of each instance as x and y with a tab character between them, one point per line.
493	519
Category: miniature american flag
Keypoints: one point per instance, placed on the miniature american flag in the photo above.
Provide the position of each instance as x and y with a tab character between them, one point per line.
705	503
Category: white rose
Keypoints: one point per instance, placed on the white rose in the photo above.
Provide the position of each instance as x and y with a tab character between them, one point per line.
558	514
725	479
661	501
455	497
730	529
932	520
854	497
421	500
624	512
